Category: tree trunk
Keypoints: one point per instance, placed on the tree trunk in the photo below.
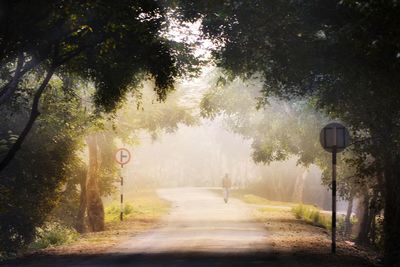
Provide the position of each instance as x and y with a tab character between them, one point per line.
95	209
392	213
80	225
365	222
299	186
373	228
373	212
347	220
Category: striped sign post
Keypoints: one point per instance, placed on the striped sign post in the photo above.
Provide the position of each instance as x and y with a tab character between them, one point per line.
122	156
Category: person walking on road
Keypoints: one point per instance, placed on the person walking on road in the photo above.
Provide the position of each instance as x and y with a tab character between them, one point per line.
226	185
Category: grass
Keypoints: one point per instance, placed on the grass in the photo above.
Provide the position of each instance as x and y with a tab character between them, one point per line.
112	212
266	209
312	214
142	211
271	209
308	213
53	234
248	197
143	205
253	199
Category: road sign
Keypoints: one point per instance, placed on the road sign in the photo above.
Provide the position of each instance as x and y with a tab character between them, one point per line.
334	134
334	138
123	156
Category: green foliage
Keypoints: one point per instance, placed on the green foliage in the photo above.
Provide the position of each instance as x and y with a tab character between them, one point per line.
113	44
67	206
112	212
35	180
343	55
312	215
53	234
149	116
278	129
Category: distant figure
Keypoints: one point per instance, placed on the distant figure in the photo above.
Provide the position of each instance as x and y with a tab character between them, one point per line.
226	185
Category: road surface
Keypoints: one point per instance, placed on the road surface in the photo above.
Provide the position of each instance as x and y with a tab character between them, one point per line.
200	227
200	230
200	221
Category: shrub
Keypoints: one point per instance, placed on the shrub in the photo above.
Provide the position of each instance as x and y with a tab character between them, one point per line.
112	212
53	234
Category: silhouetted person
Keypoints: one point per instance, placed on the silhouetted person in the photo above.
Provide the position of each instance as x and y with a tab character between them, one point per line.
226	185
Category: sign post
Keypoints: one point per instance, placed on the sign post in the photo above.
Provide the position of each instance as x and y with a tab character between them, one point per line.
334	138
123	156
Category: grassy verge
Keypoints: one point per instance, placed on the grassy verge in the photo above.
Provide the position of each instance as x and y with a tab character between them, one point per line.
138	206
312	214
307	213
143	211
257	200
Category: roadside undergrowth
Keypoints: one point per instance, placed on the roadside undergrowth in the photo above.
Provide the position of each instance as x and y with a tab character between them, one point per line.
142	211
302	230
312	214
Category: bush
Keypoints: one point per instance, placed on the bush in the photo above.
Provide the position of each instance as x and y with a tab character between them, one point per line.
312	215
113	211
53	234
30	187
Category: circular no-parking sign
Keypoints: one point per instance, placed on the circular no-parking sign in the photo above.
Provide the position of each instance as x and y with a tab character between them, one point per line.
123	156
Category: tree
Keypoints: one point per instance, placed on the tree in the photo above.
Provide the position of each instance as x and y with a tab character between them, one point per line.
95	209
34	184
138	113
278	129
342	54
113	44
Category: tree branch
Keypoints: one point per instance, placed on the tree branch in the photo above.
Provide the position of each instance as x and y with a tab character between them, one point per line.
32	118
10	87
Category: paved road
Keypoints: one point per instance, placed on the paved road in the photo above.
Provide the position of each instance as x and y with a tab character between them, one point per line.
200	221
201	230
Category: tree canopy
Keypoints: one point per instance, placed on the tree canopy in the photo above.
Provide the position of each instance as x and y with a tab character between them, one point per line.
342	54
113	44
63	66
341	58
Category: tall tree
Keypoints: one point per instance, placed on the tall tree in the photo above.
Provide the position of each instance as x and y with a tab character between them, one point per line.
343	54
114	44
34	184
95	209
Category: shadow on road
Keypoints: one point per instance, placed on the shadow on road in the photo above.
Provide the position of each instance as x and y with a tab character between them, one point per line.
272	258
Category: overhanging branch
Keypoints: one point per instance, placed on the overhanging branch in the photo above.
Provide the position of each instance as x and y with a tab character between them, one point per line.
32	118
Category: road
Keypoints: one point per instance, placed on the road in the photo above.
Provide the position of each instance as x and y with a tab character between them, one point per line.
200	230
200	221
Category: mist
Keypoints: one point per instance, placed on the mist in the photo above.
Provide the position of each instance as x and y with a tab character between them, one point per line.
166	133
200	154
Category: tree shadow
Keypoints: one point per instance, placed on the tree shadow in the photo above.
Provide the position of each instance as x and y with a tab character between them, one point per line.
177	259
